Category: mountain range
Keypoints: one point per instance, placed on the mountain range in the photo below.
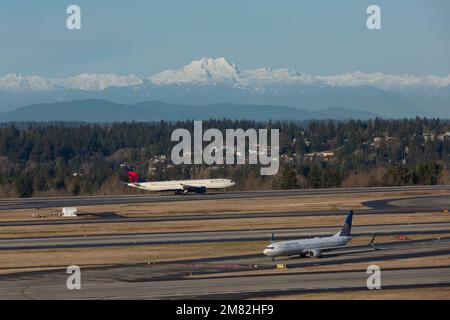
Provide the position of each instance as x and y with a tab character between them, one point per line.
211	81
93	110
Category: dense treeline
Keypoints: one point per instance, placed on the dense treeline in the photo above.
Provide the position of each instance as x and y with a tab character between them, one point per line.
83	159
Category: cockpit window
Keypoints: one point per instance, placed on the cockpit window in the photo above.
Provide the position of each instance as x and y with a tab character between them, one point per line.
270	247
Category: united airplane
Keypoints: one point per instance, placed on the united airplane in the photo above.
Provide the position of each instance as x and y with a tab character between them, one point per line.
312	247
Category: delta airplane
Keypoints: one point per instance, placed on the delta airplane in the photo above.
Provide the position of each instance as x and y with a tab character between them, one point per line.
312	247
179	186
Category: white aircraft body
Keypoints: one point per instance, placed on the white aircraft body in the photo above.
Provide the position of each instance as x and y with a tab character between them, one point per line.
312	247
184	186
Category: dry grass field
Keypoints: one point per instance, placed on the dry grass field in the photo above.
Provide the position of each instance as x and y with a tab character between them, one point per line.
245	205
438	293
214	224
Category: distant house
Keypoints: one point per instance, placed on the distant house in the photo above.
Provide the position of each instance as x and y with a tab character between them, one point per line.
288	158
428	136
390	139
78	174
444	137
324	155
377	142
386	139
159	158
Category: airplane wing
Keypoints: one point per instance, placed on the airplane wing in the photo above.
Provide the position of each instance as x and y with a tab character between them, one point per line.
132	184
331	248
371	244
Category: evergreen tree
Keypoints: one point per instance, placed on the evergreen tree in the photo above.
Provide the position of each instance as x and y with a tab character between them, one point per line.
288	178
24	186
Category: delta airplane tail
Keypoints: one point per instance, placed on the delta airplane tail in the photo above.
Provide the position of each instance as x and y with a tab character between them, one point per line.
133	176
130	169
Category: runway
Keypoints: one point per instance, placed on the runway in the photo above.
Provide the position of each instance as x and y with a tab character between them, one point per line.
38	203
107	218
170	280
214	236
412	205
420	202
237	287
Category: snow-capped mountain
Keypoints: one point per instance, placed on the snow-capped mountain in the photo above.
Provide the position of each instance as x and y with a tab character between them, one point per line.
84	81
203	71
18	82
210	81
221	71
209	71
97	82
385	81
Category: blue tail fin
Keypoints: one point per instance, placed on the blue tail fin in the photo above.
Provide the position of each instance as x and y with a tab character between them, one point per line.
347	227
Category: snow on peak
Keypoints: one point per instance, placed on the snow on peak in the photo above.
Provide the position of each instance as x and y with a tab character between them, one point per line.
205	70
213	71
385	81
97	82
84	81
278	76
210	71
19	82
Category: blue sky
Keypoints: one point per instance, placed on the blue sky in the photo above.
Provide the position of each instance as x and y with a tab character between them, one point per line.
145	37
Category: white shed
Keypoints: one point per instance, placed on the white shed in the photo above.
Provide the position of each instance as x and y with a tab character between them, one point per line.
69	212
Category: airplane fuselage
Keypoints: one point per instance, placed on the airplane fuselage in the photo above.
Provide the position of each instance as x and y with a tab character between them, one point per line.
180	185
305	246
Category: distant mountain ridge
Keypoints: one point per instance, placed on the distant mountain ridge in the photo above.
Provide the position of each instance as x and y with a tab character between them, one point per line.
105	111
212	81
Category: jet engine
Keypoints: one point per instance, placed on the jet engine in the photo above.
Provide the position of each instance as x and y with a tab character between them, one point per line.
186	189
313	253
